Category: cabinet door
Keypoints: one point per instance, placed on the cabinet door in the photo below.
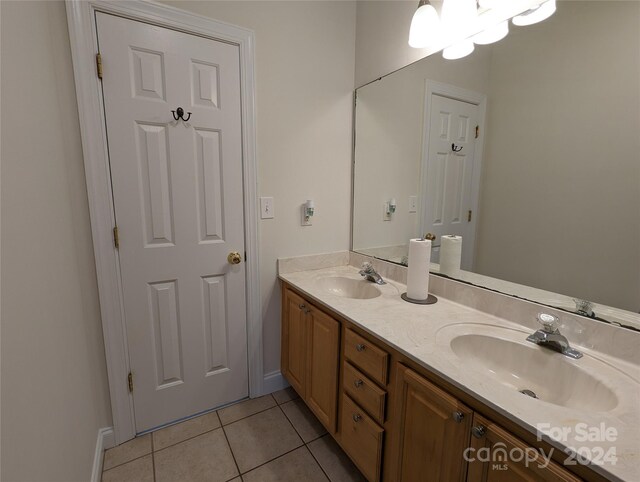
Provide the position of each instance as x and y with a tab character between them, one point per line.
505	458
294	340
432	430
323	342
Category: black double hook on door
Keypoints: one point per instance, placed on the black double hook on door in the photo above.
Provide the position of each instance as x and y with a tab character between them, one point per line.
179	114
455	148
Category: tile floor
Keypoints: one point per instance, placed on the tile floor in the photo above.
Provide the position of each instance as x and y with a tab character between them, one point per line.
274	438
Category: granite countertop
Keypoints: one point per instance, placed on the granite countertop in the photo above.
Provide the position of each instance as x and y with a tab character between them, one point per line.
423	333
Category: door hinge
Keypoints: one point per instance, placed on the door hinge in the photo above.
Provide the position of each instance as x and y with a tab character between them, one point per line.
116	237
477	131
130	382
469	214
99	65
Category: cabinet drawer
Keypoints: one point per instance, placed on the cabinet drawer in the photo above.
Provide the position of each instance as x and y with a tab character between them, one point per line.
361	439
367	357
363	391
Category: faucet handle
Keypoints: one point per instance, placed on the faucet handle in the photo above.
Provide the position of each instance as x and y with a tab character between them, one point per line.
549	322
367	267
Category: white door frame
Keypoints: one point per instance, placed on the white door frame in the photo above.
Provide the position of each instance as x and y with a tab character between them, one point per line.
433	87
84	42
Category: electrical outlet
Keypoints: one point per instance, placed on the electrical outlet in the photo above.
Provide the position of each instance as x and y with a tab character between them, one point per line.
413	204
266	208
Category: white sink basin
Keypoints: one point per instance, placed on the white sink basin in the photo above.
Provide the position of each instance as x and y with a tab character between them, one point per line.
348	287
503	355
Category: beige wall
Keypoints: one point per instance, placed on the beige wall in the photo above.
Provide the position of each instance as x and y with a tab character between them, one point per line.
54	382
564	214
54	388
304	80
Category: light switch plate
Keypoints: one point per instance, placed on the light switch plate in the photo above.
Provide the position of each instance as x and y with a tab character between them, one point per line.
386	215
266	208
413	204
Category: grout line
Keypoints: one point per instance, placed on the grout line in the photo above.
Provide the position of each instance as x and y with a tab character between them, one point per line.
188	438
318	462
153	459
230	423
299	434
123	463
233	456
211	430
271	460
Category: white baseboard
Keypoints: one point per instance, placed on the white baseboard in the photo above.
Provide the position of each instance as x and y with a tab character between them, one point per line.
106	440
273	382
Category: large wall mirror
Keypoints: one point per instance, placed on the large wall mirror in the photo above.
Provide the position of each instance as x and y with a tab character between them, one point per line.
529	149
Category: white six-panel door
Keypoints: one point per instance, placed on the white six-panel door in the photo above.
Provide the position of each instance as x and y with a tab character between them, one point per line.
449	171
178	198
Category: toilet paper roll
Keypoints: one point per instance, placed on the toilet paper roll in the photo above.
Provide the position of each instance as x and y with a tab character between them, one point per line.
418	269
450	254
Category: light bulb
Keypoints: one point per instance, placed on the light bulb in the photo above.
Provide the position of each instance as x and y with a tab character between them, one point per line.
535	15
492	34
459	14
425	25
458	50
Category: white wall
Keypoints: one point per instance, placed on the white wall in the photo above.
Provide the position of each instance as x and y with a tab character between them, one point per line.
54	382
304	78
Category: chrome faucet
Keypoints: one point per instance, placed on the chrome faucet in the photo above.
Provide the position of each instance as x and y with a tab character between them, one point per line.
550	337
370	274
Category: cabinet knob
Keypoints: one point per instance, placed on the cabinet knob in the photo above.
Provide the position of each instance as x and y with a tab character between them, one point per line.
302	307
358	383
458	416
360	347
357	417
478	431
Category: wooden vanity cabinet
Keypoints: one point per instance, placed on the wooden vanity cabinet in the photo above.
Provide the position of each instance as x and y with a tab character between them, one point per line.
397	421
432	431
310	356
293	354
494	466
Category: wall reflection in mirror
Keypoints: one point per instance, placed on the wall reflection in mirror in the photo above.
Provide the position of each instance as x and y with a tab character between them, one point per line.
529	149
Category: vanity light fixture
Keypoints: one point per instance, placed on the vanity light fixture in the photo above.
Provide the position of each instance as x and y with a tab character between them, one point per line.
461	16
425	25
458	50
492	34
458	15
535	15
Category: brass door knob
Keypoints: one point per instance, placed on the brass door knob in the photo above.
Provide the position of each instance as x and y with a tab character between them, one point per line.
430	237
234	258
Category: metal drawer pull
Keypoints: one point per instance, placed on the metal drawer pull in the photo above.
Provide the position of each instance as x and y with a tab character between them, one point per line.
360	347
458	416
478	432
358	383
302	307
357	417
